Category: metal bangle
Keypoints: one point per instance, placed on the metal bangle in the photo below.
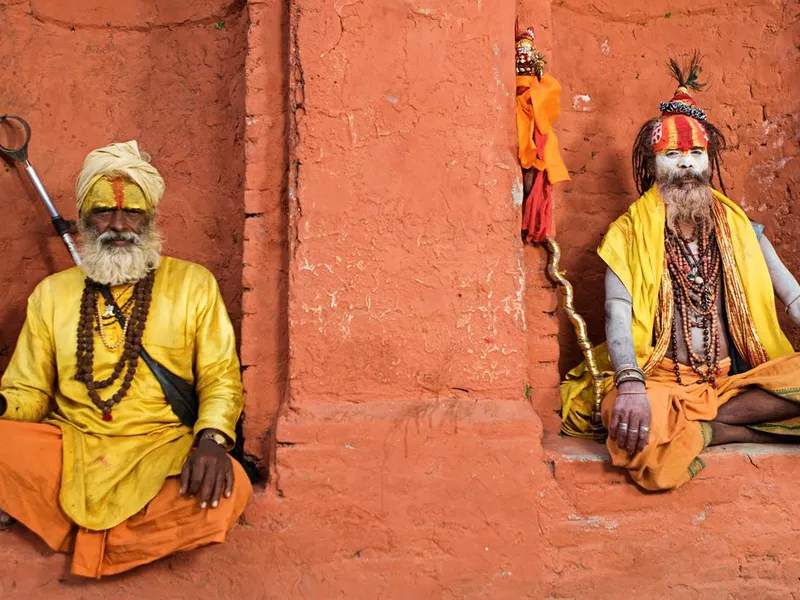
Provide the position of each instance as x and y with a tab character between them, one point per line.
788	306
629	376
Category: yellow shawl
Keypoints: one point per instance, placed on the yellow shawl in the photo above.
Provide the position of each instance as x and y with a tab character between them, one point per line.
633	248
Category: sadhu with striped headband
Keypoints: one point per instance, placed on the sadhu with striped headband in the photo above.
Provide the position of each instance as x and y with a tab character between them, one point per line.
681	126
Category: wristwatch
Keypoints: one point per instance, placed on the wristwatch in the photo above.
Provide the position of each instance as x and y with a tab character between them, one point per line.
215	437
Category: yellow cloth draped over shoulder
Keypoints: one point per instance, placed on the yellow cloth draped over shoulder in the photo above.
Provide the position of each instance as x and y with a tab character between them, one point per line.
112	469
633	248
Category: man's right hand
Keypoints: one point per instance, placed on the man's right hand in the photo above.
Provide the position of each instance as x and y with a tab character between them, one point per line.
630	419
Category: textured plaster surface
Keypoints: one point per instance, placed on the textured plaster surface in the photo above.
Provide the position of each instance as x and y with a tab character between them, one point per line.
391	311
264	344
406	275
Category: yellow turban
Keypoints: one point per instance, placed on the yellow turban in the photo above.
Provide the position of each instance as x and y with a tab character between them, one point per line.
111	162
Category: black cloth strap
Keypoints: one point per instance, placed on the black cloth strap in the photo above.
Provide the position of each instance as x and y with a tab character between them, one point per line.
181	395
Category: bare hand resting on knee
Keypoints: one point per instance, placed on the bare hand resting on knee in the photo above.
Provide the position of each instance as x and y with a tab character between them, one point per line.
630	419
208	472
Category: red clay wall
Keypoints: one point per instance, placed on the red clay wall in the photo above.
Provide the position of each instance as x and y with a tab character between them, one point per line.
406	278
264	345
408	463
86	73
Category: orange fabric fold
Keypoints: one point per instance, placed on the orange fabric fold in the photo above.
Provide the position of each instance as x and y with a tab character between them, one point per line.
30	479
538	107
679	413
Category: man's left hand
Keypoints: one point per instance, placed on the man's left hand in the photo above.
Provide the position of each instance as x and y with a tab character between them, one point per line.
208	473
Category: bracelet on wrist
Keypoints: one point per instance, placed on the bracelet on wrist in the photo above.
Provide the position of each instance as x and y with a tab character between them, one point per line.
628	373
788	306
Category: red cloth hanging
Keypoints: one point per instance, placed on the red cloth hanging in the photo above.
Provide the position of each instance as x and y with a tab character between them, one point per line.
537	210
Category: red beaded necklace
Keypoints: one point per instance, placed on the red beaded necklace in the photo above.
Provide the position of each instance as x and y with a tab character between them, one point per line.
696	284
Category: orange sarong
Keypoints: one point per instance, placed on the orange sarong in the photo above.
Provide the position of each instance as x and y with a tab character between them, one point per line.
30	478
679	431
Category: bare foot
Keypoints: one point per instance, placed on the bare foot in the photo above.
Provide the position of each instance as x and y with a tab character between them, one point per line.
6	520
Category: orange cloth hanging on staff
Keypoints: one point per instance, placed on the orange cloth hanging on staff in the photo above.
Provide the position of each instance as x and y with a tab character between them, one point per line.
538	107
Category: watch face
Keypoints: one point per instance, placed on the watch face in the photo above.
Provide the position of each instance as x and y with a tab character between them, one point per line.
216	438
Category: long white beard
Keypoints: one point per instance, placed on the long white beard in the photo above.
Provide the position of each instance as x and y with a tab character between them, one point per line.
117	265
687	198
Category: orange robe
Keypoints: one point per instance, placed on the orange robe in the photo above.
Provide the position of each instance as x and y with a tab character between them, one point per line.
30	480
679	431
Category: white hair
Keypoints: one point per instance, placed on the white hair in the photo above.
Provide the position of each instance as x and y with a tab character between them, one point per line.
687	197
117	265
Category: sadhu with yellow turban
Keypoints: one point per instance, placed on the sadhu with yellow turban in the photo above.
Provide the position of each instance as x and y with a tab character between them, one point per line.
119	176
95	460
695	354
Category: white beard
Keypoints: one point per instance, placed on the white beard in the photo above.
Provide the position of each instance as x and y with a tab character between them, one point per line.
687	198
114	265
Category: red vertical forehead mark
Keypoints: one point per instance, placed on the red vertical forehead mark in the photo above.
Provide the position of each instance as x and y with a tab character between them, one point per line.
118	187
685	141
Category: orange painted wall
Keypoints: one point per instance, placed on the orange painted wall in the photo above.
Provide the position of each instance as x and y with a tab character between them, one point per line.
406	277
264	340
391	311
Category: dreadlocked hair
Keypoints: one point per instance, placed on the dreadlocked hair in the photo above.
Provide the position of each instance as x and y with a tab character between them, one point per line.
644	159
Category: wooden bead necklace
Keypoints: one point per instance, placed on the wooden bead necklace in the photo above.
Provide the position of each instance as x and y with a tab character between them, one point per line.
132	336
696	284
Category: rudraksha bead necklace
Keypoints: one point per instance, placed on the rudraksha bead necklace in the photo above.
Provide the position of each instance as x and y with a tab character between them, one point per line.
696	284
132	336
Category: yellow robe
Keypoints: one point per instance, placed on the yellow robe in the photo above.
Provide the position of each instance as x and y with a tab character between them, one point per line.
112	469
633	248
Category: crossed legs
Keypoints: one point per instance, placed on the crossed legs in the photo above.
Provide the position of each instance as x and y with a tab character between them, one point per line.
752	407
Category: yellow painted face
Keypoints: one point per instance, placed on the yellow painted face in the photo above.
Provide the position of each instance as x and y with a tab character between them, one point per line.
115	192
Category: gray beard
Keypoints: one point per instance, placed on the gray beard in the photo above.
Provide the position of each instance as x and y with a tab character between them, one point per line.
113	265
687	198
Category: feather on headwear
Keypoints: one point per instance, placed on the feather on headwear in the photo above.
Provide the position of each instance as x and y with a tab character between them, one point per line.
681	125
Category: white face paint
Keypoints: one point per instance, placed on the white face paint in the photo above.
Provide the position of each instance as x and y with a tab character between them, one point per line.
677	161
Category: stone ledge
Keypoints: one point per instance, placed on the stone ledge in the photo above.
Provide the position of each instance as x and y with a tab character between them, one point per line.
583	472
561	448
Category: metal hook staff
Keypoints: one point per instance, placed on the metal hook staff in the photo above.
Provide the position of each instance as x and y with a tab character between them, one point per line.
20	155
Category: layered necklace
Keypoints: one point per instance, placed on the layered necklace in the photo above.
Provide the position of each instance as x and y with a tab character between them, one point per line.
696	284
131	338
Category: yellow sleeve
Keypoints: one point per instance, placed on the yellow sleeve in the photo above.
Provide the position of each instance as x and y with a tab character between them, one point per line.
218	378
28	382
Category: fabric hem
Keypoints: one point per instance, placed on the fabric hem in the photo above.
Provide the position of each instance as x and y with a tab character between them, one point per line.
705	429
697	465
